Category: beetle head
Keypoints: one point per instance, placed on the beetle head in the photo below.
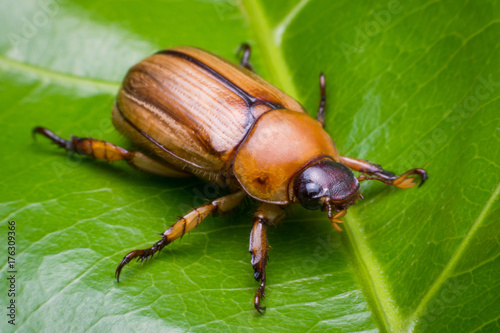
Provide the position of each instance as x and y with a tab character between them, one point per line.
326	184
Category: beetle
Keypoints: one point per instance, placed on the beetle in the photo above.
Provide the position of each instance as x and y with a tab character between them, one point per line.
195	113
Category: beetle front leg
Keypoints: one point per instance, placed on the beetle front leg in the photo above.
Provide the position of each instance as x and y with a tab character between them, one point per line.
245	59
184	225
267	214
109	152
375	172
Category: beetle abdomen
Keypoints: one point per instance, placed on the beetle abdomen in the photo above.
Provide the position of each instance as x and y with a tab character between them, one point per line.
192	108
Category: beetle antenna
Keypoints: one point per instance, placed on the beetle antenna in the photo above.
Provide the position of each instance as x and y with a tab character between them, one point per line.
327	206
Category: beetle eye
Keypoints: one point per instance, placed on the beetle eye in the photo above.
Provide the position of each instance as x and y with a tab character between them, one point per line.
309	195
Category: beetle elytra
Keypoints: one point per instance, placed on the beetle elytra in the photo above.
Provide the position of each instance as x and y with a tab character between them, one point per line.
194	113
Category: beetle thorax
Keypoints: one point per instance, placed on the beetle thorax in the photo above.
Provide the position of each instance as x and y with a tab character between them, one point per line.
280	144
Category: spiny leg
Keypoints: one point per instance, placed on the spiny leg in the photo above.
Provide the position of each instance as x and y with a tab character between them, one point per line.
109	152
245	59
184	225
267	214
321	111
375	172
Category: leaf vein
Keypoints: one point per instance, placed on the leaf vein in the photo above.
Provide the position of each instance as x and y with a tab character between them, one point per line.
454	258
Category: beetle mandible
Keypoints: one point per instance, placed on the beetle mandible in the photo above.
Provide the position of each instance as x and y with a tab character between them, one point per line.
195	113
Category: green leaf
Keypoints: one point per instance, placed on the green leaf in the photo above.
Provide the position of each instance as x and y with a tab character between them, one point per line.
410	84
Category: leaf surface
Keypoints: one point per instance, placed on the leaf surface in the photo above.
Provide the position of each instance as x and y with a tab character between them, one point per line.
410	84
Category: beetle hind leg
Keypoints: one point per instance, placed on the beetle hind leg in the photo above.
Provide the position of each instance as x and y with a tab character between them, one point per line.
371	171
184	225
109	152
267	214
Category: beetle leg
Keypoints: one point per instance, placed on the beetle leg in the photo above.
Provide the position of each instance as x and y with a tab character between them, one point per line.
321	111
184	225
375	172
245	59
267	214
109	152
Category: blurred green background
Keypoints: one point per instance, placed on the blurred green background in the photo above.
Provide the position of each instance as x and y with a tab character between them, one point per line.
410	84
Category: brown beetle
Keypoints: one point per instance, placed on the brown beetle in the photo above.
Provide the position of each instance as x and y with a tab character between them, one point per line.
198	114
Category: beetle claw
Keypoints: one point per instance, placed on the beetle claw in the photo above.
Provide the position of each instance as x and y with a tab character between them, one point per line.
409	178
258	296
122	264
259	308
423	174
141	255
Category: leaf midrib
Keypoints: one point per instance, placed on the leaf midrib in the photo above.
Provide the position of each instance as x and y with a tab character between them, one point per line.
64	78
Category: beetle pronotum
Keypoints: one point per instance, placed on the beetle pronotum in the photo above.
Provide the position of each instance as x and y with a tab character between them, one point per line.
197	114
